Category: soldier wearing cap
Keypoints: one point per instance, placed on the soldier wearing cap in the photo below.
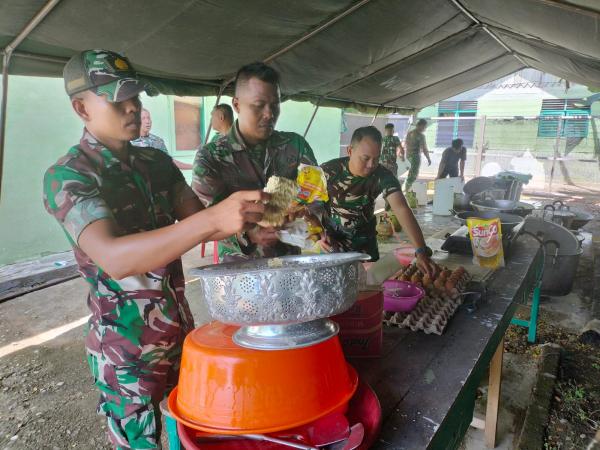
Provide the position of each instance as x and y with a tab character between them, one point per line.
248	156
118	206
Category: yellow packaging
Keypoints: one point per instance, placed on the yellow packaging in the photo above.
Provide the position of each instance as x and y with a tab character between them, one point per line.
313	185
486	241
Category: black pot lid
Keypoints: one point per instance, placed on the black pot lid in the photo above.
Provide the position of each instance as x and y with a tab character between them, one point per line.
478	185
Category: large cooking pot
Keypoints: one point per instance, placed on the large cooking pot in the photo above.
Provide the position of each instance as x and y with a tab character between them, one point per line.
576	219
563	251
507	206
508	221
227	389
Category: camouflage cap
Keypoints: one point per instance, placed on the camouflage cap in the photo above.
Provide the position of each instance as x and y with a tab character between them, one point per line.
104	73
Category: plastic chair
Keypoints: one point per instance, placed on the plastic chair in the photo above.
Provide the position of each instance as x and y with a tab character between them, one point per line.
215	251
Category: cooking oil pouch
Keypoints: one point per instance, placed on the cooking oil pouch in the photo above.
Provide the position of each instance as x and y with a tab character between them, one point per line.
486	241
312	183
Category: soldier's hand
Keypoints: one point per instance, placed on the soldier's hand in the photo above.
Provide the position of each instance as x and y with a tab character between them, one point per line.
239	212
263	237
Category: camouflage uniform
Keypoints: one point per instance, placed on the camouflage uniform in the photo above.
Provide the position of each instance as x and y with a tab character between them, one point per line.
415	141
350	217
388	157
151	140
137	324
229	165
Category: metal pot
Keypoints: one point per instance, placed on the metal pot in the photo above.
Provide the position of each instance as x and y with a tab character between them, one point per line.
462	201
576	219
508	221
506	206
563	251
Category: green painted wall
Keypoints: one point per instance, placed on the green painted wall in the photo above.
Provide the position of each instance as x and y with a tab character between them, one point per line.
41	127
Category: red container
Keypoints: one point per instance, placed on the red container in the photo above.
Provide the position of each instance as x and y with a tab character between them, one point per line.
359	323
367	305
362	343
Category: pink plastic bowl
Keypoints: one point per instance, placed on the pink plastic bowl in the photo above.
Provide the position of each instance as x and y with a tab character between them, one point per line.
401	296
405	254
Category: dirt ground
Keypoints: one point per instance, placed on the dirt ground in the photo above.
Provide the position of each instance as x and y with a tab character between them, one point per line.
47	399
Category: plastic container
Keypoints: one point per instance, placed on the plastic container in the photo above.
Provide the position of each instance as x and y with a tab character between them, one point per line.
359	323
362	343
227	389
401	296
364	408
405	254
443	197
420	190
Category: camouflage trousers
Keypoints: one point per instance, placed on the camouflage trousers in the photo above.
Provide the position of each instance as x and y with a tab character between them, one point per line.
415	164
134	375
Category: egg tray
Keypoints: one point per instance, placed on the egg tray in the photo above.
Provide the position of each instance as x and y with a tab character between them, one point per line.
432	313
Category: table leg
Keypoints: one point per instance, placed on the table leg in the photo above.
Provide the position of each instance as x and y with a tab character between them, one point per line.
535	306
493	400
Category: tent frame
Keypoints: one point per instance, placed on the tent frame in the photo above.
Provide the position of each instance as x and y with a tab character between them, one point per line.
7	53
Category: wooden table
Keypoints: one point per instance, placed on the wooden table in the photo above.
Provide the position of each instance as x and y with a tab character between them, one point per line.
427	383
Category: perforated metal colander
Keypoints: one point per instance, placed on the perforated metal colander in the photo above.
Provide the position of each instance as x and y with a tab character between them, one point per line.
283	290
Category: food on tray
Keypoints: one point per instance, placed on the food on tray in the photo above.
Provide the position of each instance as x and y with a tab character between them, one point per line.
446	284
486	241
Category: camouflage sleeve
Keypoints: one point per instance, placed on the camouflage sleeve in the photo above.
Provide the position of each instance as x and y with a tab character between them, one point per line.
307	155
388	183
180	191
207	184
73	199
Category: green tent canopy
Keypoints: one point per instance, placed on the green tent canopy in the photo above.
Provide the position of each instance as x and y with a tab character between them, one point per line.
379	54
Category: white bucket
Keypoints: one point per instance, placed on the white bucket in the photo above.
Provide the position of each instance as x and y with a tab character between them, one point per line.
420	190
443	197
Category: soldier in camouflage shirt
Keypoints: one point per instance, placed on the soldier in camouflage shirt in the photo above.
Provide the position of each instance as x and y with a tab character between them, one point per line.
415	144
354	183
391	147
117	205
248	155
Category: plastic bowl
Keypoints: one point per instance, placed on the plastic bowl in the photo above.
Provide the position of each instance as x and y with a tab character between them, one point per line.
405	254
227	389
364	408
401	296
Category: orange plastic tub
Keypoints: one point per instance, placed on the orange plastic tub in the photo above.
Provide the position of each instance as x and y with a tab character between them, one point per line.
225	388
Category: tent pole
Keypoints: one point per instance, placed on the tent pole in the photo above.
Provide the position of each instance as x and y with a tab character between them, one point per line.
5	62
571	8
376	114
556	151
317	30
312	117
467	13
6	55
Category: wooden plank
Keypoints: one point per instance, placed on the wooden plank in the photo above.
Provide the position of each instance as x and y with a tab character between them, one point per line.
427	383
493	400
20	278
